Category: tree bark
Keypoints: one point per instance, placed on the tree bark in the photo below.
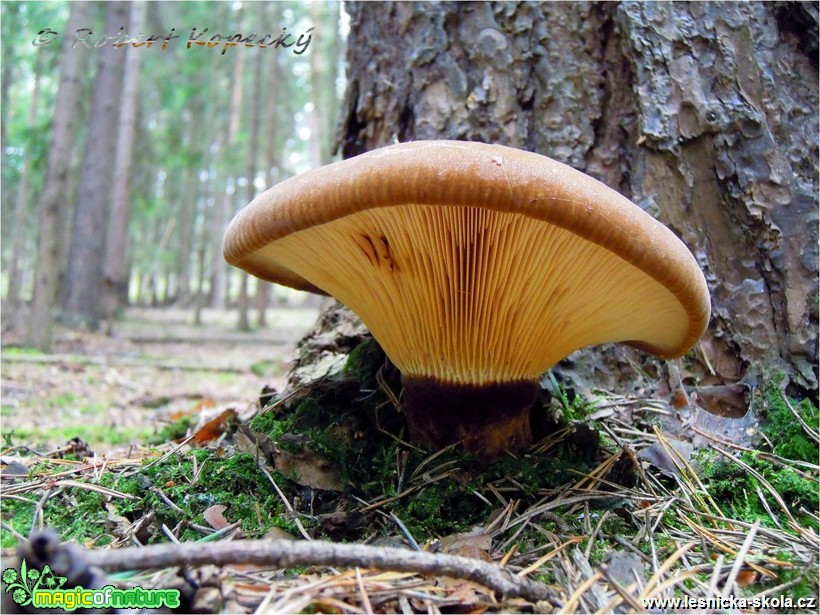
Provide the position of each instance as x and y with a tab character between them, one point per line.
115	270
84	278
56	184
703	114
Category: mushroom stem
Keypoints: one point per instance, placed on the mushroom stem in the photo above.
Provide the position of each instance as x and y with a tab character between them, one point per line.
488	419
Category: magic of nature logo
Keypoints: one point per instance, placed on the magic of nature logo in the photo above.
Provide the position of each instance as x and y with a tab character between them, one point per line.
44	590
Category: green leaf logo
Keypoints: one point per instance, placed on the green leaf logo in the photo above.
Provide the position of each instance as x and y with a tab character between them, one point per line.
24	583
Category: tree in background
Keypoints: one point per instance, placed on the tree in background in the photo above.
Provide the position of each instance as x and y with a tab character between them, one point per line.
57	186
115	265
255	101
84	278
158	217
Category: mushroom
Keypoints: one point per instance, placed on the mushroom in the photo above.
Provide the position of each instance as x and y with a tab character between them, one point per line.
477	268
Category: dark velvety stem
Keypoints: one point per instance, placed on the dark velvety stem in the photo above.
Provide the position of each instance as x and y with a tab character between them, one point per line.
488	419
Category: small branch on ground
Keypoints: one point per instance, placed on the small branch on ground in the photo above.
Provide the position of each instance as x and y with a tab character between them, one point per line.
287	554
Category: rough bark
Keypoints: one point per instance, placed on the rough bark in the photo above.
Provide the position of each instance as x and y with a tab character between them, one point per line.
704	114
84	277
56	188
115	271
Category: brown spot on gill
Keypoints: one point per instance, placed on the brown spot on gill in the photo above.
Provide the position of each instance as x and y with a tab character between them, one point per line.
364	242
377	251
382	247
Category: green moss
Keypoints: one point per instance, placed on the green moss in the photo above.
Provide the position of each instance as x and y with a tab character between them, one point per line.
77	513
736	490
265	368
349	419
173	432
364	361
805	578
788	437
235	482
269	422
18	515
459	499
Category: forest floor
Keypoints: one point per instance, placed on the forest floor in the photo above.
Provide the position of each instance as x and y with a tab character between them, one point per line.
157	434
155	366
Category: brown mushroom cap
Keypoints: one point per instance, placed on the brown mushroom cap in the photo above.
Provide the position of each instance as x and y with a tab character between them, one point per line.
476	264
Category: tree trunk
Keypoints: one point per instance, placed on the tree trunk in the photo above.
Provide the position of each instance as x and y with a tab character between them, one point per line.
56	184
253	152
317	70
273	142
21	205
115	270
160	236
8	76
704	114
324	71
187	213
221	213
84	278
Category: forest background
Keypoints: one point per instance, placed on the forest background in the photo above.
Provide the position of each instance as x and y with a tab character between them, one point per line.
123	163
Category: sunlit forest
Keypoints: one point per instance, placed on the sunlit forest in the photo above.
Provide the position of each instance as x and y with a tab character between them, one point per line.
119	178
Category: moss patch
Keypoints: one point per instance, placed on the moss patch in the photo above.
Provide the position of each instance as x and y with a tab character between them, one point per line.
784	431
351	421
739	491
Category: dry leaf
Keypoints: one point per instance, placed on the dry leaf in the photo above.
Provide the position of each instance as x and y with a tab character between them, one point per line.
12	468
463	595
213	515
306	467
475	544
202	404
668	462
746	578
214	428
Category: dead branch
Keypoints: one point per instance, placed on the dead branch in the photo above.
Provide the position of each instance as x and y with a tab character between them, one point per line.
286	554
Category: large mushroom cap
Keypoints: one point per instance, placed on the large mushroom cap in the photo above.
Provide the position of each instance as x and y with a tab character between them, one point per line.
476	264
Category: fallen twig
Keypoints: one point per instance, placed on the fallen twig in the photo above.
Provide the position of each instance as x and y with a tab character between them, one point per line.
287	554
